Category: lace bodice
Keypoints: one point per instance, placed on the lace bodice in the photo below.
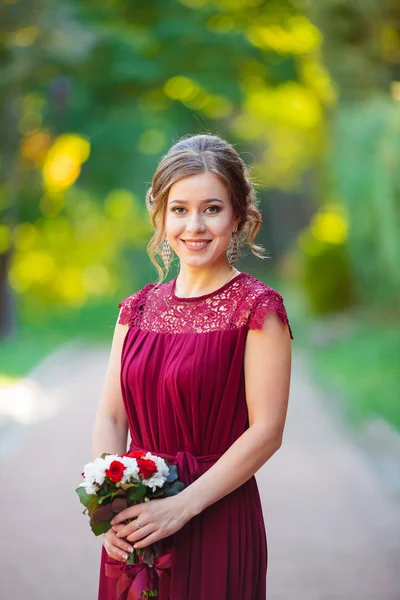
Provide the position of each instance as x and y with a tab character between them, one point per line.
243	301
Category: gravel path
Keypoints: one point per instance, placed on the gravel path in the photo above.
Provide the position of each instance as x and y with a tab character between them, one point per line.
333	526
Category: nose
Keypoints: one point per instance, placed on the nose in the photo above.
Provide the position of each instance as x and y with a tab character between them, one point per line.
195	222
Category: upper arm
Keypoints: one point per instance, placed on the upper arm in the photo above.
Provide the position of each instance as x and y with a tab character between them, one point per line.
111	404
267	364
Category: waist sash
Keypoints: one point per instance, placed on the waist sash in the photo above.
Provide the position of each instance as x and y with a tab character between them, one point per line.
188	464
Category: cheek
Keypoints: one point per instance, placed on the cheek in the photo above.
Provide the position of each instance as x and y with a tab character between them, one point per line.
172	224
221	226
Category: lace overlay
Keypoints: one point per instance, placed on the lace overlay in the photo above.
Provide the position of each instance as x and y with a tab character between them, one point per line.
244	301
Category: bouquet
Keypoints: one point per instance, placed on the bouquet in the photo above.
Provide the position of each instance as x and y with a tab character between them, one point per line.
111	484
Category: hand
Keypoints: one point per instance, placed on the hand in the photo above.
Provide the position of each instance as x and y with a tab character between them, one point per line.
160	517
116	547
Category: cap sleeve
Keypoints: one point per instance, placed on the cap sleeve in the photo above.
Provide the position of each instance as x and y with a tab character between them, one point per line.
132	307
268	301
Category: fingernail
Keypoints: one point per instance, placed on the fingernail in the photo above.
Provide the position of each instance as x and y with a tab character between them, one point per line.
130	549
125	556
112	522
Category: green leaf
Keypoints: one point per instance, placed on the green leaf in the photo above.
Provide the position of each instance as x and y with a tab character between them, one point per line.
173	474
132	558
93	505
174	489
107	496
84	497
100	528
136	493
158	493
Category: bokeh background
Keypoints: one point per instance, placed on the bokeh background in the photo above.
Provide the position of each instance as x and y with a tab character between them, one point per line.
91	96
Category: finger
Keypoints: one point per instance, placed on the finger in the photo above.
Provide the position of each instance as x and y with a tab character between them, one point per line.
151	539
111	538
128	529
118	527
121	543
129	513
139	534
115	552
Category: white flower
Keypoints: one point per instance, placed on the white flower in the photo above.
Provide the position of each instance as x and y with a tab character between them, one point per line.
158	479
89	487
131	469
94	472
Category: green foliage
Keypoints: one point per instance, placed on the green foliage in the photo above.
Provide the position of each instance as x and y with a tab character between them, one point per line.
365	157
361	41
327	280
84	497
100	528
94	506
126	79
361	367
174	489
360	167
136	493
173	473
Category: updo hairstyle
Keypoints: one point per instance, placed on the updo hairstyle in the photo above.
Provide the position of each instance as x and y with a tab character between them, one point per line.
196	154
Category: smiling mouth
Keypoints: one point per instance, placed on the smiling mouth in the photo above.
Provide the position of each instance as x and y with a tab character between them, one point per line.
198	244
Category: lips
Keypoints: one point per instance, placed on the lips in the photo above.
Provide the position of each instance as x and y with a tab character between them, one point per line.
196	241
196	245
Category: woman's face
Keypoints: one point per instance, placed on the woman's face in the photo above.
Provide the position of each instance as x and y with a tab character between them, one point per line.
199	210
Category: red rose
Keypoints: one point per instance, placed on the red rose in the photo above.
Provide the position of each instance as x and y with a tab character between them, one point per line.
115	471
147	467
136	454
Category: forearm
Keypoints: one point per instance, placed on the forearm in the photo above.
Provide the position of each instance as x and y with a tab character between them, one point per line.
246	455
108	436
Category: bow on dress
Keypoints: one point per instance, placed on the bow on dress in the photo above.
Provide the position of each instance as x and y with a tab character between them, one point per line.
135	579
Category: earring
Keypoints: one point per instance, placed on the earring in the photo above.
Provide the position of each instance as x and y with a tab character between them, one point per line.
233	248
166	253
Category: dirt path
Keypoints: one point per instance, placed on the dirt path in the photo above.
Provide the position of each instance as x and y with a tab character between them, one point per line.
333	527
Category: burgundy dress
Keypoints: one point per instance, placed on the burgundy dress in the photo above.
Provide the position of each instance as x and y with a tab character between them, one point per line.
182	381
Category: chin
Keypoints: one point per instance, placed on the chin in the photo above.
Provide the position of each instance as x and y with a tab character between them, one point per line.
197	263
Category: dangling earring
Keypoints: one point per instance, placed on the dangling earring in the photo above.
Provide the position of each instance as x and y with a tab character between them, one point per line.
166	253
233	248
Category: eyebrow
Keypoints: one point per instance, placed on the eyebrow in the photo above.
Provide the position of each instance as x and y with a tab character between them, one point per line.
203	201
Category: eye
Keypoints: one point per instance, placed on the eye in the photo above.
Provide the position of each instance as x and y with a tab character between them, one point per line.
178	208
217	209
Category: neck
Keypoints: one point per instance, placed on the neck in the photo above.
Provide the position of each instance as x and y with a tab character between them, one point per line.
196	282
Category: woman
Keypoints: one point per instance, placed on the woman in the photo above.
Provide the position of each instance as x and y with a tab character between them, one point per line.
199	373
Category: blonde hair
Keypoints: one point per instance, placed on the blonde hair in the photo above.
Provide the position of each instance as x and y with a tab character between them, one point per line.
195	154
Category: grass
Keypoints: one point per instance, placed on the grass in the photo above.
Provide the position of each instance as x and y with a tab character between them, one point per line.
33	342
354	357
362	367
19	355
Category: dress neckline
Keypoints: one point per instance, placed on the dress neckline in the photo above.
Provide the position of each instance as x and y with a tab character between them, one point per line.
204	296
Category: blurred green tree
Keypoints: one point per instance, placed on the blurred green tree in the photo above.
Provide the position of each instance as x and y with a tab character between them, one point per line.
362	52
97	91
